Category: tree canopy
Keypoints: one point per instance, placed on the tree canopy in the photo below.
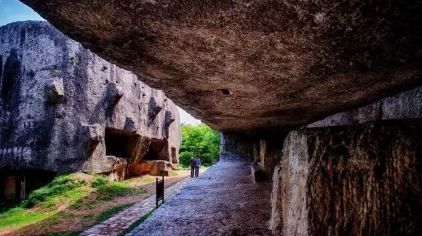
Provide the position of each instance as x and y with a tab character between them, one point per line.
201	141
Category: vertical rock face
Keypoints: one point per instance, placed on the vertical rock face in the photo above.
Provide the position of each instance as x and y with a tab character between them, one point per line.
62	108
350	180
405	105
353	173
290	177
235	146
270	153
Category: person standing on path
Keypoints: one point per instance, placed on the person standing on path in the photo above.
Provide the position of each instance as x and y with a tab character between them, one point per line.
197	166
192	166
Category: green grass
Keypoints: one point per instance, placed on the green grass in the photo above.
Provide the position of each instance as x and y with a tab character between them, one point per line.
109	189
62	187
42	204
19	216
68	196
110	212
99	181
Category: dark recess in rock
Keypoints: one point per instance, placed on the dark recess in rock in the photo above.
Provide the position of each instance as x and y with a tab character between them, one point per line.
10	81
153	109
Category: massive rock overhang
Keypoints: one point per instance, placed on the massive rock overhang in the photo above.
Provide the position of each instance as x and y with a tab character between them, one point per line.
253	65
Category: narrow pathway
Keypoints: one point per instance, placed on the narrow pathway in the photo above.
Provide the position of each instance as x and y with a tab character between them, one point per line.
222	201
124	219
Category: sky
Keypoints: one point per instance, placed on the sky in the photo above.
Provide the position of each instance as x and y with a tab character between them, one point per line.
14	10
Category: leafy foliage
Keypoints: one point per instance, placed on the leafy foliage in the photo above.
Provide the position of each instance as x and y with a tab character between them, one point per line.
201	141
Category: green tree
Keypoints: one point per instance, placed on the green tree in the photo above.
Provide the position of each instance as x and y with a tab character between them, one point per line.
201	141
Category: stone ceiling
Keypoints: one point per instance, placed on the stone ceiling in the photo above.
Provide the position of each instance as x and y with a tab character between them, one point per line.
257	64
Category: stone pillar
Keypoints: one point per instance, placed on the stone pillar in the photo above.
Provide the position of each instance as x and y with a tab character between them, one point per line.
350	180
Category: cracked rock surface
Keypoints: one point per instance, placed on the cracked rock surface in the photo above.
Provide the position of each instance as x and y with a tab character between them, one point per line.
254	64
60	105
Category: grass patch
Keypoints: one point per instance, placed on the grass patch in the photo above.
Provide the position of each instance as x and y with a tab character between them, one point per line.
55	203
99	181
110	189
19	216
61	187
42	203
110	212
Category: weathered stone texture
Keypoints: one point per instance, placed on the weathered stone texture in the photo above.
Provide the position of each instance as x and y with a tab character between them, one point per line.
63	108
270	153
405	105
235	146
222	201
254	64
350	180
150	167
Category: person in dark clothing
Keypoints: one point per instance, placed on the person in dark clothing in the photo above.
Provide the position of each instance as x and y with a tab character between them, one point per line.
192	167
197	166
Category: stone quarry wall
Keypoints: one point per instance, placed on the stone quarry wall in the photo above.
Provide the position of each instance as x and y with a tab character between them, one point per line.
235	146
356	172
62	108
405	105
350	180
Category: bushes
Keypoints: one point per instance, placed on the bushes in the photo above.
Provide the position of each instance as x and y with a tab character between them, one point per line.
201	141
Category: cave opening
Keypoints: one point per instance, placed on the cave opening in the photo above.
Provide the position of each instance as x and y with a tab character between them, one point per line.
158	150
120	143
16	185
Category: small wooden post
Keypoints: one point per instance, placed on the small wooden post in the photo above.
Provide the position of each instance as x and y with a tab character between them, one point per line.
159	190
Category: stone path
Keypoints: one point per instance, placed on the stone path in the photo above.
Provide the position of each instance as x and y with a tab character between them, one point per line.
223	201
122	220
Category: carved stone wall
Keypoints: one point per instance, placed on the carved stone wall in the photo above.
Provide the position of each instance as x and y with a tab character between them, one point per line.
350	180
353	173
57	99
235	146
405	105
